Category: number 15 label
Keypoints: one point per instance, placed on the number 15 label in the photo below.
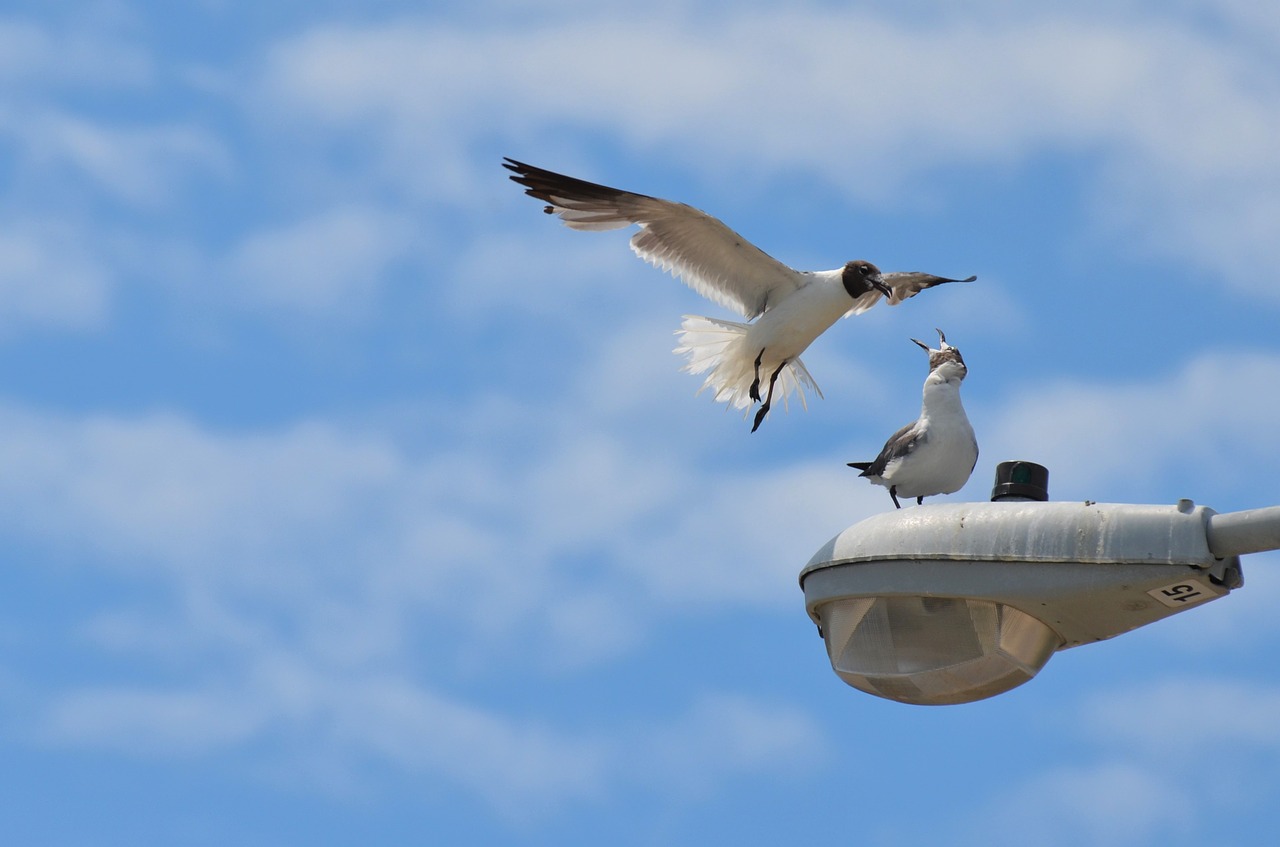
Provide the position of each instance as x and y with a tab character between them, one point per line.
1180	594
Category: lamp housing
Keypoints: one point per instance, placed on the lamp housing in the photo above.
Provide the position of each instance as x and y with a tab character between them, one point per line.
952	603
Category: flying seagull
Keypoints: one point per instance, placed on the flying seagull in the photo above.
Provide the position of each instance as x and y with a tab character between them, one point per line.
790	308
937	453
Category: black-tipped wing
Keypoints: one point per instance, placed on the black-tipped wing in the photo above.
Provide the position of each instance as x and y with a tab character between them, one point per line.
907	284
709	257
899	444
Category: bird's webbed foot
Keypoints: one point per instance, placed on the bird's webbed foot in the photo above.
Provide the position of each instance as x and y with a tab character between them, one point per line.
768	400
754	391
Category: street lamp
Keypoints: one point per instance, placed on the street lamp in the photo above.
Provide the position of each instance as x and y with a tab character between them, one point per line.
957	602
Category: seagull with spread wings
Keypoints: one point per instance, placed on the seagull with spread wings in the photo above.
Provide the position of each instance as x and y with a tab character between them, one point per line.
788	308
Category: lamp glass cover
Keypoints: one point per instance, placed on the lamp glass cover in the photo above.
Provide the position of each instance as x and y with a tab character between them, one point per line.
934	650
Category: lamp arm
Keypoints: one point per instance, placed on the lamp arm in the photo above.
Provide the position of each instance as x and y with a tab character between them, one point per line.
1237	533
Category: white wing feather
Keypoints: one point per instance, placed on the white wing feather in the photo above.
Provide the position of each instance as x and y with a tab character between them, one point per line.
708	256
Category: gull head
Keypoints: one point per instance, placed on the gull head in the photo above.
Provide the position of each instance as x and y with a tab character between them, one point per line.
946	360
862	271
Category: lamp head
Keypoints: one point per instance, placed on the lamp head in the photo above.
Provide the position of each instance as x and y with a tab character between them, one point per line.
957	602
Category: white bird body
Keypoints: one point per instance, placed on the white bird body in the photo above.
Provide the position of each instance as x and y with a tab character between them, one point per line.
937	453
790	308
777	337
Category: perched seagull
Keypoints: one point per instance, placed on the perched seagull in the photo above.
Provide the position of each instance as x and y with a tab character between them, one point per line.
793	307
935	454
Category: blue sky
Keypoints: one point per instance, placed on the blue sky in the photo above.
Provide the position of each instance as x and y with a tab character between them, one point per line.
345	498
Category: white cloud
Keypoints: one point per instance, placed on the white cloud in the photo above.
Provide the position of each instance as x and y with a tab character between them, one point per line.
62	91
1165	749
348	531
1109	442
333	263
48	279
32	55
316	590
340	548
552	277
150	722
723	736
1183	127
521	767
1183	720
746	536
516	766
1109	803
141	165
228	524
344	721
1258	24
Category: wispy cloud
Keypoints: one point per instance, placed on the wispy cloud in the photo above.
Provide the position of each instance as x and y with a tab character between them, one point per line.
1205	414
35	55
316	529
1109	803
1152	717
523	768
140	165
61	142
719	738
897	104
73	153
305	713
332	264
48	279
325	522
358	579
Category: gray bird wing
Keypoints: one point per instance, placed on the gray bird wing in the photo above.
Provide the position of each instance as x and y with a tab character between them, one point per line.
708	256
907	284
899	444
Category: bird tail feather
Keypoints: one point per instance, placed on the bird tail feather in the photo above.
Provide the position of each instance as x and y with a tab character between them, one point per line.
718	346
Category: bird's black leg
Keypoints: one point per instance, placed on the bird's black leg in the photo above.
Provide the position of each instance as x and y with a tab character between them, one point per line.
893	492
920	500
764	409
754	392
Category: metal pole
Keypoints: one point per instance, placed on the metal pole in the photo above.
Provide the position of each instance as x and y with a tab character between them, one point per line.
1237	533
